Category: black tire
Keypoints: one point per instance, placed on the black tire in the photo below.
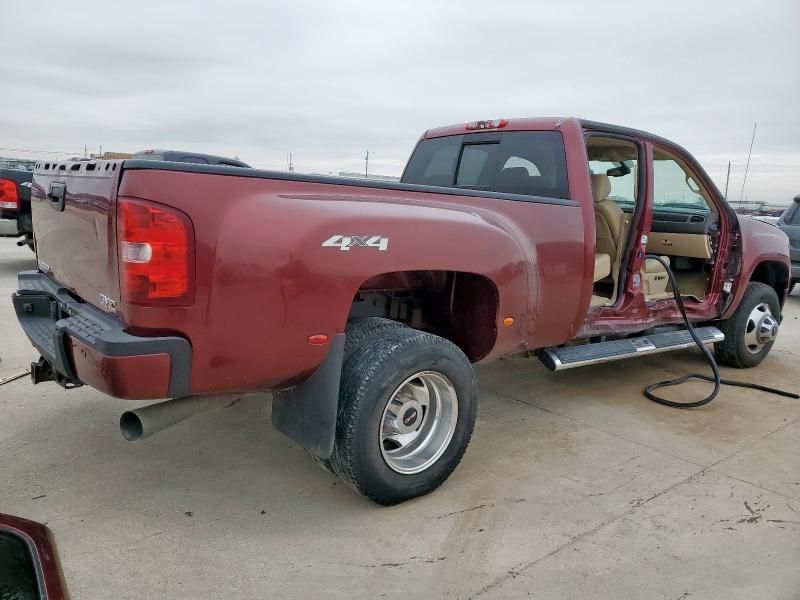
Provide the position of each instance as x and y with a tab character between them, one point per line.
369	379
362	330
732	351
358	332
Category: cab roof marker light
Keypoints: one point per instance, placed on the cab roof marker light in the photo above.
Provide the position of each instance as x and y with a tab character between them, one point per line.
493	124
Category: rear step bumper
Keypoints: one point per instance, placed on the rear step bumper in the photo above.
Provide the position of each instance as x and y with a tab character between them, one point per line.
569	357
82	344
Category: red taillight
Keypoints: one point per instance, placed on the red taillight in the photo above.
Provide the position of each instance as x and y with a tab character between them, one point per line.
9	199
494	124
156	254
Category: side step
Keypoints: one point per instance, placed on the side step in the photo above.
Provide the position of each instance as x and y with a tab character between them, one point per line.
569	357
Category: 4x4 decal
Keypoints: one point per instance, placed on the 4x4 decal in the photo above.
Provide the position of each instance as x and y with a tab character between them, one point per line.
345	242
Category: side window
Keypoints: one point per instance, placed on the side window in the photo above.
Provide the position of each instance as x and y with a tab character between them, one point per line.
674	187
622	175
618	160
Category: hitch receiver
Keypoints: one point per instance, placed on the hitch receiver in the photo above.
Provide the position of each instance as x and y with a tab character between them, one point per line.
42	371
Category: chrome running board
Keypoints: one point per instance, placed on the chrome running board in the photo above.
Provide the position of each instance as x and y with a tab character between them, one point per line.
570	357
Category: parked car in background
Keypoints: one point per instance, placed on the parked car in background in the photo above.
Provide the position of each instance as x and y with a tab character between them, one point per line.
15	189
789	223
15	205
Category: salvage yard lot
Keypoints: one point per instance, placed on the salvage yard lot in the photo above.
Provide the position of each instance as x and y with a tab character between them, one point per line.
574	486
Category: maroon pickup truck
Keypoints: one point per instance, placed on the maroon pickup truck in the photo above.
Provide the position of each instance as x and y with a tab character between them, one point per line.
362	304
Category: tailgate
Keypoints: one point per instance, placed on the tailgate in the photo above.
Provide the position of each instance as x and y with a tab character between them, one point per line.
74	220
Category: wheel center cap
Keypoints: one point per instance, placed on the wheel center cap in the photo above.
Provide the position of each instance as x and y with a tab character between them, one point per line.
410	417
767	329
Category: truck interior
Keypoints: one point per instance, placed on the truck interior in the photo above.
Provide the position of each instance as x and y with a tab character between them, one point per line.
684	227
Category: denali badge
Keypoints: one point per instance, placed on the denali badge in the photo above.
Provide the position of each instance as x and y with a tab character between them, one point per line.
345	242
43	266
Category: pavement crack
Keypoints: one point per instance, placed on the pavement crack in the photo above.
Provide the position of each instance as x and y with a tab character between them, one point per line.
519	569
458	512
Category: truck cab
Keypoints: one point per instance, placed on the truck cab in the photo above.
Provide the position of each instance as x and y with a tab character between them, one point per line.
640	195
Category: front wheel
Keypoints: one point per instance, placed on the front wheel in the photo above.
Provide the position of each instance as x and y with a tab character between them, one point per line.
752	329
406	413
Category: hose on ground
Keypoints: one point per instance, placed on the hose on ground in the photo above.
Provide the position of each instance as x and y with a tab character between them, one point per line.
709	356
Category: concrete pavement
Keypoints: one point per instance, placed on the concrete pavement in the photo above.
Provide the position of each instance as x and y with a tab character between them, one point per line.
574	486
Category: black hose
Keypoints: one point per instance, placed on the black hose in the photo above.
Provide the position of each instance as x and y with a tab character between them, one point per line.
715	379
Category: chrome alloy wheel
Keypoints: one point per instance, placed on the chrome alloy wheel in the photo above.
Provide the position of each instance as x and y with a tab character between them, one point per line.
761	328
418	422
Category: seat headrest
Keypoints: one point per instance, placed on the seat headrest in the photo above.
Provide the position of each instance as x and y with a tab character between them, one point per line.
601	187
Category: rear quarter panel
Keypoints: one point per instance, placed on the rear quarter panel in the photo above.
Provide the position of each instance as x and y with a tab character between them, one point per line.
265	282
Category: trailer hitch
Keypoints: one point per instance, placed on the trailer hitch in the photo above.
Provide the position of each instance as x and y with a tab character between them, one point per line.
42	371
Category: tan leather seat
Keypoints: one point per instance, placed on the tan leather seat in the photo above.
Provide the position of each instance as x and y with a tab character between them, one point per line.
608	217
609	222
602	266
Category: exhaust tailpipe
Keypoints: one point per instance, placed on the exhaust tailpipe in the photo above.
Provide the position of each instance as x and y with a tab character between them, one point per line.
148	420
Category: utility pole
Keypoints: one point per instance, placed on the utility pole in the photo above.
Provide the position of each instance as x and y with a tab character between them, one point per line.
727	180
85	151
366	166
101	151
290	163
747	168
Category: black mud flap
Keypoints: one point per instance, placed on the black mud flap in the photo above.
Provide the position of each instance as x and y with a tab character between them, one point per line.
307	413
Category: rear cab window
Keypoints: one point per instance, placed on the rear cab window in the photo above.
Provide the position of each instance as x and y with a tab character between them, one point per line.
528	163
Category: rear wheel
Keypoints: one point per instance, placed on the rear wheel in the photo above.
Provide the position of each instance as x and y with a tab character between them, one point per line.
359	331
752	329
406	413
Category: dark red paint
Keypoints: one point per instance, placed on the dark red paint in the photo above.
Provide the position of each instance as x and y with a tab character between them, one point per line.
40	540
264	283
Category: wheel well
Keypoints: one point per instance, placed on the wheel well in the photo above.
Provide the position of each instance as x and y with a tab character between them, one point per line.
456	305
775	275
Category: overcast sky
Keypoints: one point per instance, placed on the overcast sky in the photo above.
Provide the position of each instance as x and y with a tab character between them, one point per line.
329	80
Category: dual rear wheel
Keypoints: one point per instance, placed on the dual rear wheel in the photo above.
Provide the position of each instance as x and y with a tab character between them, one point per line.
407	405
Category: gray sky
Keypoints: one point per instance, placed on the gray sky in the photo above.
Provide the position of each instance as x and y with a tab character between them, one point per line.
327	80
